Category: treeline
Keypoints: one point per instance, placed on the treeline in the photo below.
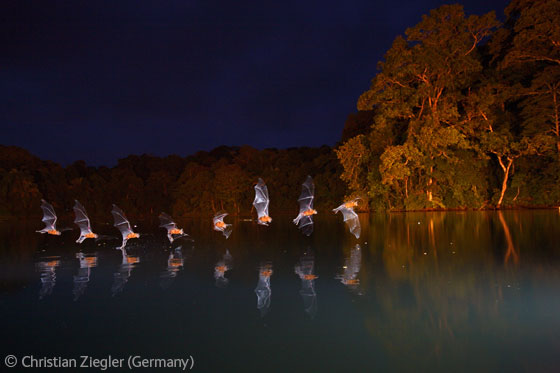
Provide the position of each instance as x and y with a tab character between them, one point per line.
146	185
463	113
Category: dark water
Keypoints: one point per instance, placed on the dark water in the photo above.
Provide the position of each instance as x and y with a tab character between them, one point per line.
476	291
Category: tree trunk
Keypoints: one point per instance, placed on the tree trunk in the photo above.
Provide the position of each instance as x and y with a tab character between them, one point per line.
506	176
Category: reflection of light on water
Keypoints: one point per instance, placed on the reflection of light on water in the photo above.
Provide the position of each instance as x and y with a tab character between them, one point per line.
263	290
351	268
124	272
47	268
304	269
82	278
223	265
174	264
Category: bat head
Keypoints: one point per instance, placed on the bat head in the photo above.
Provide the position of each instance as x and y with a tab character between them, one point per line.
54	232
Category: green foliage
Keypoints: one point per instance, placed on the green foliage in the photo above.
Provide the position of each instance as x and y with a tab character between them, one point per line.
145	185
461	116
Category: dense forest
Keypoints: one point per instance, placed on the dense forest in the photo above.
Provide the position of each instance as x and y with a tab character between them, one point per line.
202	184
463	113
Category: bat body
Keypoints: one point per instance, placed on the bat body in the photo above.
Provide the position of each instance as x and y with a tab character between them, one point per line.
261	203
304	220
49	218
122	223
83	222
173	232
350	216
263	289
220	226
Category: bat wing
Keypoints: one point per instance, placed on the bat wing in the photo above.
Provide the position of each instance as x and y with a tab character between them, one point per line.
307	195
261	198
81	219
351	219
121	222
49	216
219	217
305	224
166	221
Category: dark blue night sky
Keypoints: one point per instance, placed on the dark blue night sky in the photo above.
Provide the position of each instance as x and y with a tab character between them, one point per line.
99	80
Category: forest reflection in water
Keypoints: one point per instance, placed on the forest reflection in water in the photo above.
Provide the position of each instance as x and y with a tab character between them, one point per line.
471	289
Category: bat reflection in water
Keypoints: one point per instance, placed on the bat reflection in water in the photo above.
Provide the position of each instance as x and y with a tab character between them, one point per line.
49	218
263	290
173	232
219	224
174	264
304	220
223	265
121	222
261	203
350	217
47	269
304	269
121	277
82	221
351	268
82	278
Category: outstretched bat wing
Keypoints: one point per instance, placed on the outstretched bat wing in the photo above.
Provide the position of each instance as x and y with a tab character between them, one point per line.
121	222
305	224
166	222
351	219
262	200
307	195
49	216
81	219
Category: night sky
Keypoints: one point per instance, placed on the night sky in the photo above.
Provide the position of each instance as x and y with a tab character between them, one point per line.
99	80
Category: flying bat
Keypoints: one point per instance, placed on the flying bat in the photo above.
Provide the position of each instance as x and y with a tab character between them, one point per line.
219	224
261	203
82	221
122	223
167	222
350	217
304	220
49	218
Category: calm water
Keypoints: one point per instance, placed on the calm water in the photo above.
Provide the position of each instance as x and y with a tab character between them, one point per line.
476	291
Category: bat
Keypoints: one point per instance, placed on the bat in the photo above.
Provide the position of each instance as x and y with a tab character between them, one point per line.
49	218
122	223
219	224
167	222
304	220
261	203
263	290
82	221
350	217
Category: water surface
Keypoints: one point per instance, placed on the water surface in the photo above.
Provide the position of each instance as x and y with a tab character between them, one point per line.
456	291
